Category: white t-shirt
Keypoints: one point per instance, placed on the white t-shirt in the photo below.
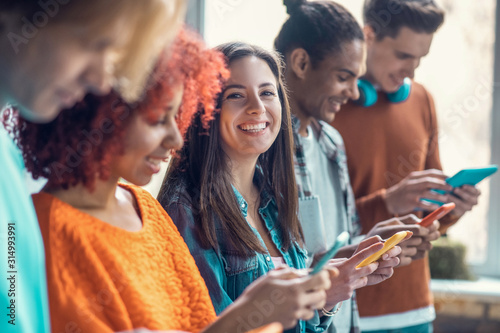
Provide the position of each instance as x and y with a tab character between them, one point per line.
325	183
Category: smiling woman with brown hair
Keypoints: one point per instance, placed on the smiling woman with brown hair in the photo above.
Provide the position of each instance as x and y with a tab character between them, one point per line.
232	194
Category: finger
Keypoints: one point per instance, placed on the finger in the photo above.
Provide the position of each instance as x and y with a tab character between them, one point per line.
384	272
389	231
419	255
460	206
394	252
427	206
285	273
384	225
409	219
472	190
466	196
369	241
314	300
409	234
306	314
332	271
412	230
408	252
435	196
424	247
405	261
364	273
428	173
336	261
363	281
412	242
391	262
362	254
315	282
432	236
421	185
433	227
289	323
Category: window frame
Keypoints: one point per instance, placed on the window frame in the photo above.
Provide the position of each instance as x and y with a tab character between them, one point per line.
195	16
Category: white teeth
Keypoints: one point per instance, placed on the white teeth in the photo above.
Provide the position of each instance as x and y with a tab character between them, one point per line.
253	128
154	161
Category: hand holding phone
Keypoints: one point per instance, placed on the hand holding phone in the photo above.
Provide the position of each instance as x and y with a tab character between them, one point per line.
472	176
341	240
388	245
437	214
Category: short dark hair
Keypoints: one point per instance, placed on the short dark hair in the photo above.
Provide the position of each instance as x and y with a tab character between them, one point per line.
319	27
387	17
204	166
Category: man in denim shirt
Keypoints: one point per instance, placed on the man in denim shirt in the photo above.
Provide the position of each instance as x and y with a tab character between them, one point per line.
323	47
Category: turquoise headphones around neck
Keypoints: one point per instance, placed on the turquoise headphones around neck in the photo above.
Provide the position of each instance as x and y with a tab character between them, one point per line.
368	93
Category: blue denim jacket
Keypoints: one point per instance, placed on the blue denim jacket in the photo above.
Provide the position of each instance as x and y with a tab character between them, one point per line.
227	274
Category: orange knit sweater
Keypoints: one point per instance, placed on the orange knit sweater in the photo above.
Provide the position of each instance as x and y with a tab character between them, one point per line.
384	143
105	279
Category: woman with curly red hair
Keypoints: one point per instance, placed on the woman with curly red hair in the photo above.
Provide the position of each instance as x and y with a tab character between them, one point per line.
52	52
115	260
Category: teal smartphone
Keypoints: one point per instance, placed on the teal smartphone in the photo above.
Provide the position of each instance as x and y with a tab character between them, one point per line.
466	177
341	240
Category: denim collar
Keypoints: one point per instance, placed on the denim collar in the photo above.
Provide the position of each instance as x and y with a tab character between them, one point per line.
265	196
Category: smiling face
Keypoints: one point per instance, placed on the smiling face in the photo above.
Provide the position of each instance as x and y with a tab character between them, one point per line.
148	143
390	60
55	69
250	117
332	82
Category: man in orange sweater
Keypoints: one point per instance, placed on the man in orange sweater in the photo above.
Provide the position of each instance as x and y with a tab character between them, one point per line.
393	154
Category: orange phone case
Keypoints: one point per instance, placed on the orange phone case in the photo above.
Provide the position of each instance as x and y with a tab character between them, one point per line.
389	244
437	214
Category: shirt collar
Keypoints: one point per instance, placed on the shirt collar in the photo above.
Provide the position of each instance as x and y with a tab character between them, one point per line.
265	196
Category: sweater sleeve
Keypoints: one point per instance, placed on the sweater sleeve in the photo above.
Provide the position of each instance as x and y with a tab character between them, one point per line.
433	161
208	261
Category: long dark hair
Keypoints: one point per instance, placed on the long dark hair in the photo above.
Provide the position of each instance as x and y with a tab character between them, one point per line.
204	167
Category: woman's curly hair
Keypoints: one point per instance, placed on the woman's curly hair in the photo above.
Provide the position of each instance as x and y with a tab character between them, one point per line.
78	146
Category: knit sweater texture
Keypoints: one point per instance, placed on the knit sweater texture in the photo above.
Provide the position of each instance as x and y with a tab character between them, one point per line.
102	278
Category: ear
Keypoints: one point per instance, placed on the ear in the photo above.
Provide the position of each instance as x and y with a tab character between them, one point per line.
370	35
300	62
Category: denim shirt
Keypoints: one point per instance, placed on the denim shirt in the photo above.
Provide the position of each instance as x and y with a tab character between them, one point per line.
227	274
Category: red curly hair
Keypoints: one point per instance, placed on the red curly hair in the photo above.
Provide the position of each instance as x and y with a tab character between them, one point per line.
78	146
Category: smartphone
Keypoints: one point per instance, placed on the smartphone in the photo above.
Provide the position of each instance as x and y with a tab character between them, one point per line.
341	240
466	177
437	214
471	176
388	245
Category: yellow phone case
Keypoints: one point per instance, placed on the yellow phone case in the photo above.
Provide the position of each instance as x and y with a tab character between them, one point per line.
389	244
